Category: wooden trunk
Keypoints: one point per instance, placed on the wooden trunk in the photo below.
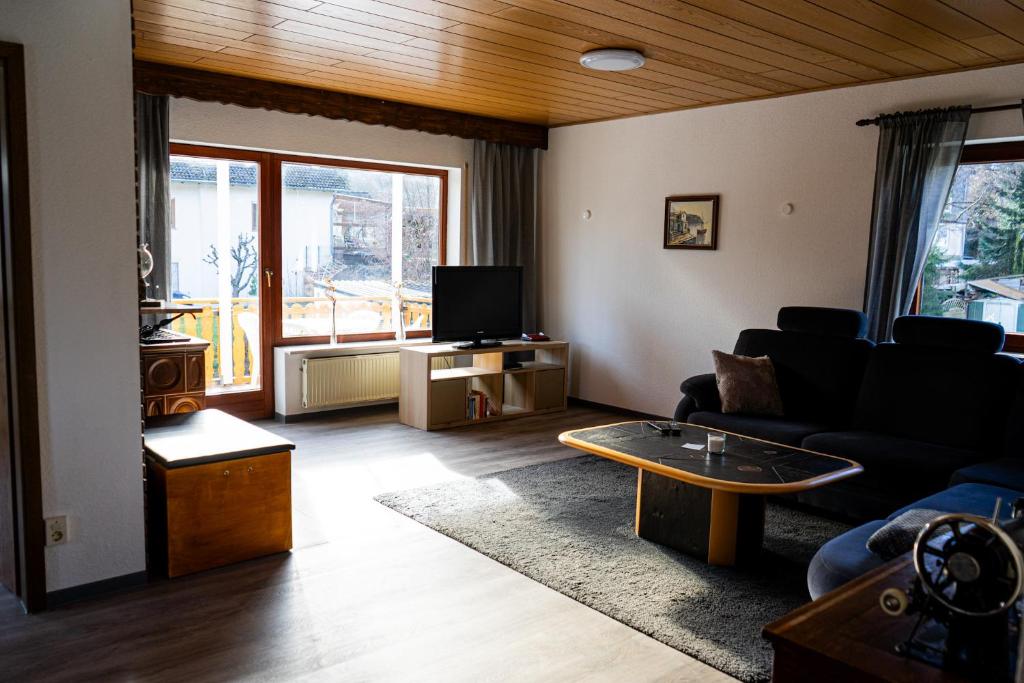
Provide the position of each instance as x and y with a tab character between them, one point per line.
209	515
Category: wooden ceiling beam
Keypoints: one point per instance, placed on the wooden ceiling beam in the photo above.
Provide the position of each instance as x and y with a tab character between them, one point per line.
163	79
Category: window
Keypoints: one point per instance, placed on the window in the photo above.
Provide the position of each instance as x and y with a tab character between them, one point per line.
975	267
216	261
358	240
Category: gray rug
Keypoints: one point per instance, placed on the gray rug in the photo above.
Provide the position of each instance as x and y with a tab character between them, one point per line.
568	525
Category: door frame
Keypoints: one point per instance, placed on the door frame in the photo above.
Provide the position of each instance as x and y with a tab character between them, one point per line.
258	403
16	247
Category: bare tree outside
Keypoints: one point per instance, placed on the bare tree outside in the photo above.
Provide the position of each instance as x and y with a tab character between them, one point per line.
245	258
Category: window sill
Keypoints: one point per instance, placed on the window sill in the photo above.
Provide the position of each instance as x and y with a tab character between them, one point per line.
351	347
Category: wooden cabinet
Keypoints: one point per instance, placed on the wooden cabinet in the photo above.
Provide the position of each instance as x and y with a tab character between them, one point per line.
435	386
218	491
174	377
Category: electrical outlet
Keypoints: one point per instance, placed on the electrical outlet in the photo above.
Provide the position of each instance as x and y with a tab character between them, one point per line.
56	530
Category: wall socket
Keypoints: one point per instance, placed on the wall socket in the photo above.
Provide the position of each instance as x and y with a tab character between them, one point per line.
56	530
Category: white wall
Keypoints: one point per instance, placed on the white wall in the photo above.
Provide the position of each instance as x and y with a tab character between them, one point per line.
232	126
642	318
79	80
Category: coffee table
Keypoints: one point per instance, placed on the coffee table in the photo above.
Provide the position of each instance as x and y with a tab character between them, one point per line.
704	504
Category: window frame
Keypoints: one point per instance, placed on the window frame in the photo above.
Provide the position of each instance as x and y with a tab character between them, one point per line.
277	291
987	153
255	403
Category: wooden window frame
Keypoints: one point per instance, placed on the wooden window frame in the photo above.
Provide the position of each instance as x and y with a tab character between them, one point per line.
256	403
278	159
988	153
260	403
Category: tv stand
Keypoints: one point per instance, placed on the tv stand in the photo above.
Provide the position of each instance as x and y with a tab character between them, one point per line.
477	344
435	386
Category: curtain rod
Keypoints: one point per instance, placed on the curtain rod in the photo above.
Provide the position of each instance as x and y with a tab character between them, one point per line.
974	110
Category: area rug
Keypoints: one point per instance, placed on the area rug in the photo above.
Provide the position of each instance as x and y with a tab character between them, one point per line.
568	525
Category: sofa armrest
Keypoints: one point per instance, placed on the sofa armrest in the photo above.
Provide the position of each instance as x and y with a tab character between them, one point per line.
700	392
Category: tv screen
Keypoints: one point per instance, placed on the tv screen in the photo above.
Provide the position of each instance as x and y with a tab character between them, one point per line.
471	303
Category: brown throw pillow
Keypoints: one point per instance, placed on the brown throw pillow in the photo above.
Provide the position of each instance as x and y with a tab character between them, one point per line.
747	385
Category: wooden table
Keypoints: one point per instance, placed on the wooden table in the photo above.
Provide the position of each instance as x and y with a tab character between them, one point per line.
845	637
707	505
218	491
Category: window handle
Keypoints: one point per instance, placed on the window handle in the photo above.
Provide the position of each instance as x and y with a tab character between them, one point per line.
268	273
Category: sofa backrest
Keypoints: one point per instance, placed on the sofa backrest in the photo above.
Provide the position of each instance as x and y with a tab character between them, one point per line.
819	358
941	381
1013	440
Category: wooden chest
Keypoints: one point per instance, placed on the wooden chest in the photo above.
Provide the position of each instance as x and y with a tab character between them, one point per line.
218	492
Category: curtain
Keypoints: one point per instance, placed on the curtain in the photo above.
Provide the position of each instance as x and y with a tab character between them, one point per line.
503	215
918	154
153	164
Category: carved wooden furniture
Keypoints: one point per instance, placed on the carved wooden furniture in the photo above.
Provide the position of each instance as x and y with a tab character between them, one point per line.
434	387
173	377
710	505
218	492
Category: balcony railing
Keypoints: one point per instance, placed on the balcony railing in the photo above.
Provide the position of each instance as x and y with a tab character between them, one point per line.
355	315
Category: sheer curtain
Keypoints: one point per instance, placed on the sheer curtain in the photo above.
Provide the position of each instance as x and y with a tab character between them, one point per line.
503	215
918	153
153	164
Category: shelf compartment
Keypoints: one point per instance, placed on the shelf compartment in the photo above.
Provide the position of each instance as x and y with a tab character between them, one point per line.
534	366
549	388
518	390
460	373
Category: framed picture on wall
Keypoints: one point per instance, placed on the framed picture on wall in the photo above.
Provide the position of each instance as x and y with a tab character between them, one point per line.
691	222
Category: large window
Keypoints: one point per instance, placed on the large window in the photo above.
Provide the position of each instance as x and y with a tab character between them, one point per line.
357	248
975	267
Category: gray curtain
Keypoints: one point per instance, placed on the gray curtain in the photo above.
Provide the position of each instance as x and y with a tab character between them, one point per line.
503	215
153	164
918	154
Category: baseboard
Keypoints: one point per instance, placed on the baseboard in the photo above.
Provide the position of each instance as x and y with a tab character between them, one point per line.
65	596
334	412
618	409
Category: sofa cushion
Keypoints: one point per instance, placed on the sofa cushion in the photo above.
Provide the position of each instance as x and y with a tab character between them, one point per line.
846	557
842	559
899	533
944	396
948	333
747	385
1007	472
904	469
818	375
776	429
838	322
976	499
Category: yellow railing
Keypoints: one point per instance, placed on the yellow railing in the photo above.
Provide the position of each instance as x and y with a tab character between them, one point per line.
206	325
245	317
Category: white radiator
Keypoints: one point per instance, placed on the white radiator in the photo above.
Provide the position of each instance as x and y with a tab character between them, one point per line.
347	380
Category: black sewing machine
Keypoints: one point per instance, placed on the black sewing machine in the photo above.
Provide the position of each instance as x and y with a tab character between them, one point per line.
970	577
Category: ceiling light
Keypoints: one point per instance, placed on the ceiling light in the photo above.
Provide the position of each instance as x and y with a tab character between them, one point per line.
612	60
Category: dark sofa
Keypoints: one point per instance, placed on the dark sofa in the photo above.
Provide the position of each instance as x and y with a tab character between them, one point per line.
973	489
937	400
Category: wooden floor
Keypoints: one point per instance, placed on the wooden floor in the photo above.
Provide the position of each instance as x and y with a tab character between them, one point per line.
368	595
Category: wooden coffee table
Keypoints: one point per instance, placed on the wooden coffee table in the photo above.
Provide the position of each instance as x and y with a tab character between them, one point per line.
707	505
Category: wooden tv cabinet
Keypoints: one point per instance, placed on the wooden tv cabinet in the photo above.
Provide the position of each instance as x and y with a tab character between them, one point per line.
435	385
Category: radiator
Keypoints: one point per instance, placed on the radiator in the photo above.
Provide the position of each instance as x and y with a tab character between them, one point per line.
346	380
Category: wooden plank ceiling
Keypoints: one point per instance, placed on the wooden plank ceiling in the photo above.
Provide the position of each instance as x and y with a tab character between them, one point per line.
518	60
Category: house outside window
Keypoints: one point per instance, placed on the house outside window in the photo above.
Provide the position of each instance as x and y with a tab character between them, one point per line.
975	266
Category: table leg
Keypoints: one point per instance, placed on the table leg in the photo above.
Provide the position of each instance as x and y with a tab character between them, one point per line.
720	527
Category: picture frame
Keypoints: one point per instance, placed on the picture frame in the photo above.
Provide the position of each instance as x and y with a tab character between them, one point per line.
691	222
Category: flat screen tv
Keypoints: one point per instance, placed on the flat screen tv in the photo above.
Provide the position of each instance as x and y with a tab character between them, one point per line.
479	305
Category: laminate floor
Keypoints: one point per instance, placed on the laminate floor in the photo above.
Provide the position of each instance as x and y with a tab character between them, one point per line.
368	595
